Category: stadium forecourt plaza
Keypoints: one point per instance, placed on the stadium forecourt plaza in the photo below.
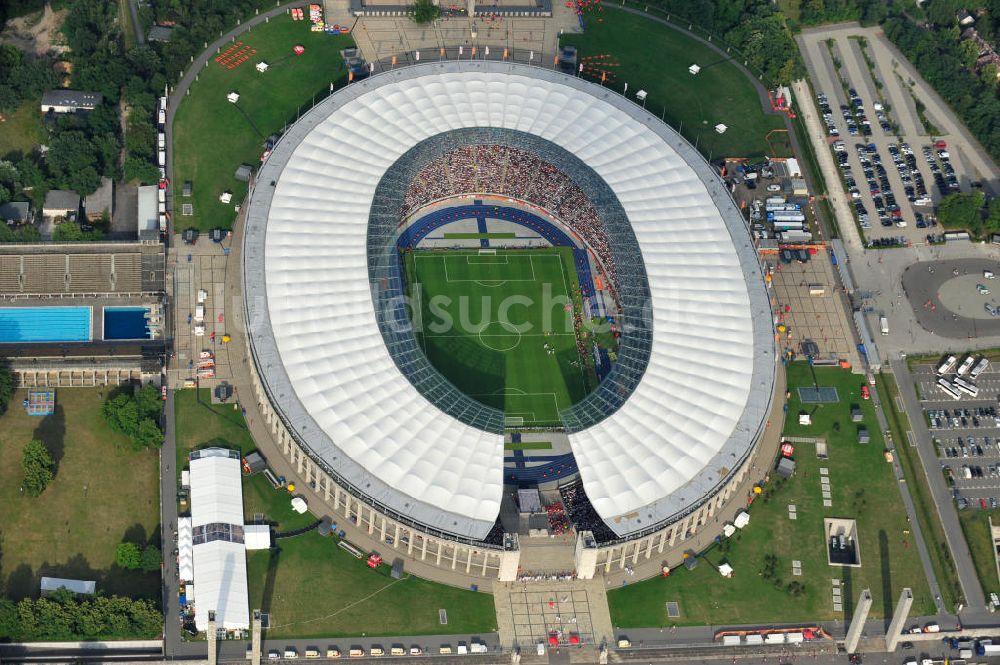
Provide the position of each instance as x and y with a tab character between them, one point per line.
662	443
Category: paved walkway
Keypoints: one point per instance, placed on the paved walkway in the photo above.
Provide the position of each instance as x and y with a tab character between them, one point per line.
529	613
168	529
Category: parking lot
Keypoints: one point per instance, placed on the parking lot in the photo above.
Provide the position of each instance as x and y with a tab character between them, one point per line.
894	171
965	433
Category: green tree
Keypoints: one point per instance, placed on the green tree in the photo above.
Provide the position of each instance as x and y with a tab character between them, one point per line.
962	210
151	559
424	11
141	169
128	556
136	416
37	465
993	215
72	232
10	624
6	387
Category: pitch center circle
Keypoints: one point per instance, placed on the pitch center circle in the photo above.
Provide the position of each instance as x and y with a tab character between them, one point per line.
502	336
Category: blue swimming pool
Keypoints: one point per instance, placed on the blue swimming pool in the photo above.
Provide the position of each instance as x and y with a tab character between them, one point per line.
44	324
125	323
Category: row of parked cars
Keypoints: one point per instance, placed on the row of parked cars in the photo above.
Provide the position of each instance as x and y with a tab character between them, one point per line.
333	652
982	416
965	449
944	175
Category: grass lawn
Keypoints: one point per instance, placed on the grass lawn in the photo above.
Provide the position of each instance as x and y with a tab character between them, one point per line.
862	487
497	354
655	58
201	424
286	583
21	131
352	598
102	493
976	527
213	137
930	524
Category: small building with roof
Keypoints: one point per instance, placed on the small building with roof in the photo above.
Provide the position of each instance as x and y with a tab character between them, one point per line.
64	203
70	101
160	33
149	222
15	212
50	585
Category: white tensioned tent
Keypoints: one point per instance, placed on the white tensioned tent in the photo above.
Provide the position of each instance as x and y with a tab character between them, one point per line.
220	565
706	392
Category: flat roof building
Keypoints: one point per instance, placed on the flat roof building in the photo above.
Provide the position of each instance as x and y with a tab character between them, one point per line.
17	212
83	587
70	101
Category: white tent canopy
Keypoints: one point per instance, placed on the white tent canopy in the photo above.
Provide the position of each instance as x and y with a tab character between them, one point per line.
220	565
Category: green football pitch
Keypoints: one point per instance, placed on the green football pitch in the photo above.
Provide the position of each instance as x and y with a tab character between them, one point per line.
496	325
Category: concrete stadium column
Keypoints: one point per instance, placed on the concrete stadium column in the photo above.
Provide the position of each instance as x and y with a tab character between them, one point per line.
607	562
470	7
858	621
383	529
454	556
301	458
585	555
423	554
635	552
371	521
663	541
395	537
621	558
326	489
440	549
212	648
899	617
468	562
486	558
411	537
255	639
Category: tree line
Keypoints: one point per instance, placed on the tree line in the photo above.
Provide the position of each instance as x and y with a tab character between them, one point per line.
62	616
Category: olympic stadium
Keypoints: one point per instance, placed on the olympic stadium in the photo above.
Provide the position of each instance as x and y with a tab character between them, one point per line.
475	182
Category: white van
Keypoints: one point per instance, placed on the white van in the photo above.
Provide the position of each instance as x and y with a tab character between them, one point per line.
883	324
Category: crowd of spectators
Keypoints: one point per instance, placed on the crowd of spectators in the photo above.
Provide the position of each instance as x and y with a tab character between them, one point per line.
582	513
558	522
517	174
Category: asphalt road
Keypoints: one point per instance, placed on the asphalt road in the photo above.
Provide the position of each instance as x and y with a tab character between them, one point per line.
975	600
922	284
168	520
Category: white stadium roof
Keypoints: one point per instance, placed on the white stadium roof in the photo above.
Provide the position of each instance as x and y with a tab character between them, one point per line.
705	394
